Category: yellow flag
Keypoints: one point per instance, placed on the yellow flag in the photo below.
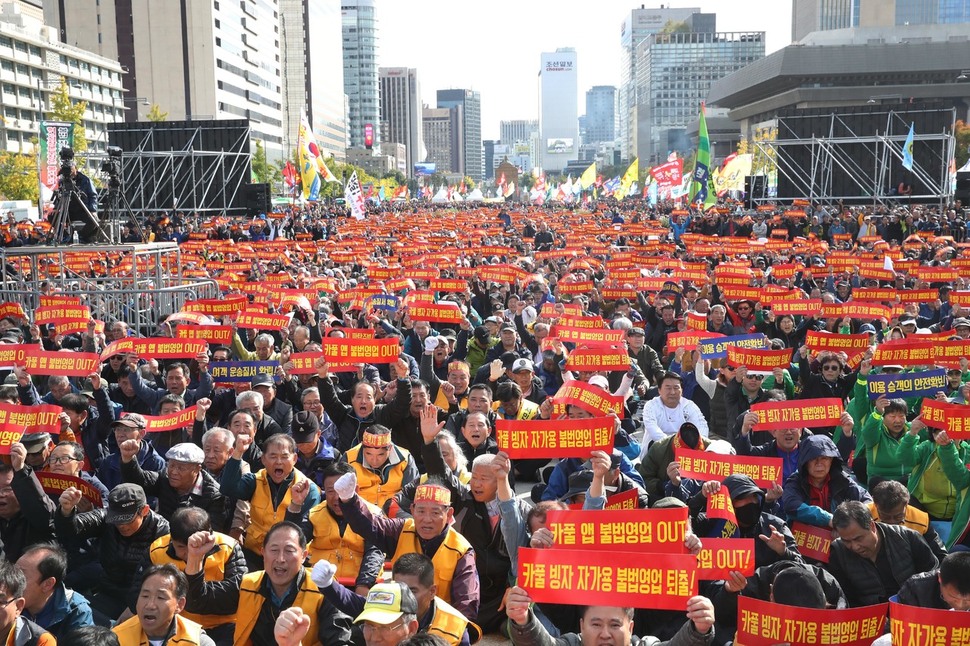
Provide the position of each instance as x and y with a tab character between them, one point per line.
588	178
629	178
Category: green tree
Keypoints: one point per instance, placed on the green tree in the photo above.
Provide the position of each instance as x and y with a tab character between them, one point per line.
155	114
527	181
18	176
263	171
63	108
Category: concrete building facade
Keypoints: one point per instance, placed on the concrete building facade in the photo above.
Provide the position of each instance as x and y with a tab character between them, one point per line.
401	111
470	102
360	70
558	118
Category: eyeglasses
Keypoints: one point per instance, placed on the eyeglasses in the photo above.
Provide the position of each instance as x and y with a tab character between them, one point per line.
381	629
832	367
63	459
4	604
755	377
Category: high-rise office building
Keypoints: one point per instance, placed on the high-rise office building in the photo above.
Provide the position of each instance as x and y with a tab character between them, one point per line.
312	61
675	72
638	25
195	60
514	130
443	138
600	121
34	63
470	102
360	71
558	118
401	110
825	15
822	15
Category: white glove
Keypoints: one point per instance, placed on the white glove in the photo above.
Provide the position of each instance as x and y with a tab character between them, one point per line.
346	486
322	573
430	343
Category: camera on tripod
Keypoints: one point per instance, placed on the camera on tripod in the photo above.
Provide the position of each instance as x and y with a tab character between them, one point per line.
112	166
67	166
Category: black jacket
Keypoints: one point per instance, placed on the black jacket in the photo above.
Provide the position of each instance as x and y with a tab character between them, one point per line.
349	426
156	485
923	590
33	523
905	550
282	414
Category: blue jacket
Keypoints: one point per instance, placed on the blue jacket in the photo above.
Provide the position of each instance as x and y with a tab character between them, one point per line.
559	479
63	612
843	486
110	471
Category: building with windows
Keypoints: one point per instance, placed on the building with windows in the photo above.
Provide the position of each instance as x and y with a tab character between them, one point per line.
515	130
401	111
34	63
443	130
558	118
360	71
600	117
824	15
470	102
675	72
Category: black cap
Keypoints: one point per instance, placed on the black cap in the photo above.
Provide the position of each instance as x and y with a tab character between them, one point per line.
262	379
124	503
305	426
579	482
508	358
481	333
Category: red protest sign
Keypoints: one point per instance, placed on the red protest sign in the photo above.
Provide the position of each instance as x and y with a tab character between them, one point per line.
259	321
856	311
211	334
192	318
78	327
688	340
660	531
55	484
436	313
155	348
851	344
701	465
563	438
585	322
920	625
873	294
48	301
949	353
42	418
799	307
811	413
598	357
67	364
608	578
759	361
592	399
920	295
12	310
952	418
227	306
61	314
622	501
762	623
448	285
721	556
587	336
719	505
813	542
10	434
905	353
361	350
170	422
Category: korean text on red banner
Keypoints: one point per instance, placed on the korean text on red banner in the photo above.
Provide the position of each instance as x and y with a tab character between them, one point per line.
563	438
762	623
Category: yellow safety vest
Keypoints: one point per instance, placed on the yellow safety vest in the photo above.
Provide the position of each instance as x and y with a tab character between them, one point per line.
915	519
442	402
251	601
371	486
346	552
450	625
445	559
130	633
213	569
262	512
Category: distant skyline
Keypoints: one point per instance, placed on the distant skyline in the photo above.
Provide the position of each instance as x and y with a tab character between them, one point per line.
494	47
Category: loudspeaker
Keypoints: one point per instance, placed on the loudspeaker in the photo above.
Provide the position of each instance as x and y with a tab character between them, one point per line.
963	181
755	187
258	199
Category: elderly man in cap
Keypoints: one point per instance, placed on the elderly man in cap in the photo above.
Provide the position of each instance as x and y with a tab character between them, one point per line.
277	409
39	446
508	341
382	466
428	532
183	483
126	529
390	615
313	452
523	372
25	510
130	427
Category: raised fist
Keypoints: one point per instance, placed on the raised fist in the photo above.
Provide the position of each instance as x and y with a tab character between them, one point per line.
69	499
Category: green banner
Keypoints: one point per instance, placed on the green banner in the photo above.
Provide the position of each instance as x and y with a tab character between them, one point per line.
54	135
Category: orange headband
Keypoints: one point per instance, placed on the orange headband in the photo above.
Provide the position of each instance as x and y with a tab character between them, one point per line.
433	493
376	440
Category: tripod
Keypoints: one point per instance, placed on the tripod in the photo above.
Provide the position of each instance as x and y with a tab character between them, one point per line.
68	193
116	205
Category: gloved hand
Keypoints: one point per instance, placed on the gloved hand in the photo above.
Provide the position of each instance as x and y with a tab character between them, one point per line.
430	343
346	486
322	573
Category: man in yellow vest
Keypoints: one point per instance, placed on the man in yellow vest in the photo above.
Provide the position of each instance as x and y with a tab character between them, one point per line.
428	532
390	615
269	490
160	600
890	505
382	466
358	561
214	566
285	583
416	571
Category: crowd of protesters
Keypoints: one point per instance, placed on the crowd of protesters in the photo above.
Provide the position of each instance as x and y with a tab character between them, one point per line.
376	507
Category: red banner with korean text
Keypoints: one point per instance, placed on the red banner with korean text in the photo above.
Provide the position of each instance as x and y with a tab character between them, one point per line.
211	334
661	531
608	578
436	312
622	501
688	340
227	306
55	484
811	413
952	418
170	422
562	438
759	362
920	295
592	399
192	318
905	353
874	295
762	623
865	311
813	542
696	321
598	357
68	364
61	314
42	418
586	336
361	350
719	505
448	285
584	322
701	465
260	321
155	348
12	310
851	344
721	556
10	434
949	353
797	307
917	625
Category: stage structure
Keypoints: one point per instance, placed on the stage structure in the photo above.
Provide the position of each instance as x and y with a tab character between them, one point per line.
191	166
856	156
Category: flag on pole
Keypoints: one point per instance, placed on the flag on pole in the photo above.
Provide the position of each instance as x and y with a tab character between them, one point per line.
908	148
354	197
306	149
702	165
588	178
629	178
